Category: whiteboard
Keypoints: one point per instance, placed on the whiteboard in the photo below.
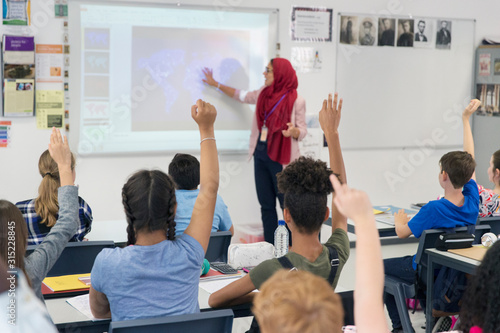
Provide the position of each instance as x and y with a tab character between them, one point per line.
405	96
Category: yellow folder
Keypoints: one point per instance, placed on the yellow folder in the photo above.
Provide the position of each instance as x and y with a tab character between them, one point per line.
66	282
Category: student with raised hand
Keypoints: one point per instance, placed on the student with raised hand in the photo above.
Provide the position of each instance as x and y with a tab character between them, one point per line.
159	275
489	199
41	213
300	302
37	264
185	172
305	184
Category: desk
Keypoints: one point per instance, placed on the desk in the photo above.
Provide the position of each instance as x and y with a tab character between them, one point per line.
448	259
68	319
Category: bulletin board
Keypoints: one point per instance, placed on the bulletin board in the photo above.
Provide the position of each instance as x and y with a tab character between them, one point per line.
405	96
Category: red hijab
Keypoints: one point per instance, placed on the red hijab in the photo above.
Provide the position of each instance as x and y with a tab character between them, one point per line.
285	83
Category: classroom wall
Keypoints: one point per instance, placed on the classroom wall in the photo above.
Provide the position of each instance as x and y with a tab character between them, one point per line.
390	176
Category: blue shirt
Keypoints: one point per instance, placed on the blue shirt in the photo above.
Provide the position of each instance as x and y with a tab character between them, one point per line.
150	281
442	214
185	204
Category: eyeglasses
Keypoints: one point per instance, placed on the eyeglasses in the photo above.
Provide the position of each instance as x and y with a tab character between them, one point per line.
268	70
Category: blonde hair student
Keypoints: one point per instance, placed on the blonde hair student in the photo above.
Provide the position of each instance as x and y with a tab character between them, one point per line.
41	213
298	301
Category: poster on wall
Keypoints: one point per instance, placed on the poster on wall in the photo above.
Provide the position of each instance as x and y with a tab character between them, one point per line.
49	63
349	30
49	109
16	12
311	24
424	33
485	64
489	95
306	59
367	31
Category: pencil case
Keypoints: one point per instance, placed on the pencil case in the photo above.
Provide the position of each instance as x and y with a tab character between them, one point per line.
246	255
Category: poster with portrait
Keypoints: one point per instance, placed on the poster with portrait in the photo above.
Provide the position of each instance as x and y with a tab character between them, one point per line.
367	31
386	31
484	64
424	33
349	30
405	33
443	34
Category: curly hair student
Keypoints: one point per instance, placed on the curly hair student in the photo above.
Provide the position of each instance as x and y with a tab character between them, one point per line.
305	184
480	304
41	213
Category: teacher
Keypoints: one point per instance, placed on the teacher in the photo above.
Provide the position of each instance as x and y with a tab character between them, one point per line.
278	126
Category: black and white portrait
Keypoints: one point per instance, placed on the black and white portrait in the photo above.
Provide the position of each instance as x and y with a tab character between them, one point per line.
386	31
405	32
424	33
367	31
349	30
443	34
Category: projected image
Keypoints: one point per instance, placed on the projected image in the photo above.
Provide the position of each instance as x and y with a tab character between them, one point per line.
97	39
173	63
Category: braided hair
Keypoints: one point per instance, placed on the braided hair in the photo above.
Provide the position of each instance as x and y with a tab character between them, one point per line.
149	201
480	303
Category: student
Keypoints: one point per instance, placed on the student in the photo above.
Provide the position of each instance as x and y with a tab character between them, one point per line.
37	264
300	302
489	199
458	208
305	185
159	275
185	172
41	213
480	310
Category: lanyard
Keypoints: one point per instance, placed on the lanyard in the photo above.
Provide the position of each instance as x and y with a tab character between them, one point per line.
274	108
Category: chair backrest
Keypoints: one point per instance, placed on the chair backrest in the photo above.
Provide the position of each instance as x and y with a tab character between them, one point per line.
428	240
218	321
76	258
218	245
493	222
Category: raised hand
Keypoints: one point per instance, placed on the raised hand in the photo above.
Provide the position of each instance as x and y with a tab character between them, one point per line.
204	114
209	77
290	131
351	203
471	108
59	149
329	116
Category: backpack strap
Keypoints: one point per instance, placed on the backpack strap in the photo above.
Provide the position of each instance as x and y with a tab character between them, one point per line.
285	262
334	262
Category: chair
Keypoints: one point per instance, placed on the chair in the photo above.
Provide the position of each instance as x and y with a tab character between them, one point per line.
76	258
218	321
218	245
493	222
402	290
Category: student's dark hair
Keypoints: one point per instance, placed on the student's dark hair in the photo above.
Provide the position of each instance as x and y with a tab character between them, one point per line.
496	161
13	229
459	165
306	184
480	304
149	201
185	171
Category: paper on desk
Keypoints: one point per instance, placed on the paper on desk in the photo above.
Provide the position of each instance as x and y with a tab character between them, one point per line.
215	285
82	304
